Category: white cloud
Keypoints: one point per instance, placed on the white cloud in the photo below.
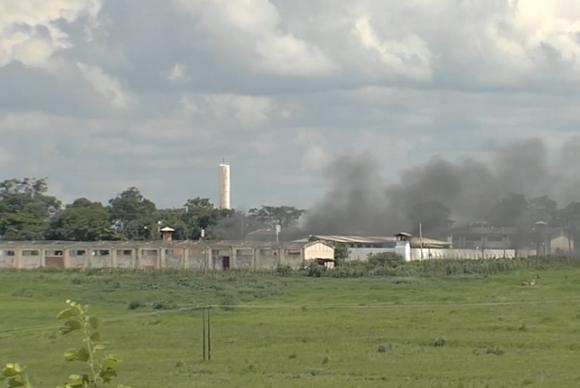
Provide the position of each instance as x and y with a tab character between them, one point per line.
178	73
409	56
30	31
315	157
555	25
229	110
252	28
106	85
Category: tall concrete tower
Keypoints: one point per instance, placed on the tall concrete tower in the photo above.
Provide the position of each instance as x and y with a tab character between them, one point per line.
225	186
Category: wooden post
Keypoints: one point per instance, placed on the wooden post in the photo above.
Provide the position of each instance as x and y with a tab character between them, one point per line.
209	333
203	334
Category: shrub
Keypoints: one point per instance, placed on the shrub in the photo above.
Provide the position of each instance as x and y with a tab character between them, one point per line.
385	260
162	306
134	305
496	350
315	269
14	376
283	270
439	342
341	253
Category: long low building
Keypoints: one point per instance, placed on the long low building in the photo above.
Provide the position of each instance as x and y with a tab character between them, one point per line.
162	255
412	248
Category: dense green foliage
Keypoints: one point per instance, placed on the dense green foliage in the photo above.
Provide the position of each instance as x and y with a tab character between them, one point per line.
25	209
341	253
82	220
28	213
389	264
133	215
13	375
478	330
285	216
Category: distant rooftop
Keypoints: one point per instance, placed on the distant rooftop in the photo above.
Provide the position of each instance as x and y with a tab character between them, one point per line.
354	239
416	242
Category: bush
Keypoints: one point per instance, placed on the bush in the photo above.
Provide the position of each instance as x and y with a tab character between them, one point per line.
283	270
385	260
315	269
391	265
163	306
341	253
439	342
495	350
134	305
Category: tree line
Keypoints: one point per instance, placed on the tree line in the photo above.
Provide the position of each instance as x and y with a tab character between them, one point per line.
28	212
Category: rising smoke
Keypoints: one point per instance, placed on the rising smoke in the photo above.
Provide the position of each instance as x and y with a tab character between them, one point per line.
441	193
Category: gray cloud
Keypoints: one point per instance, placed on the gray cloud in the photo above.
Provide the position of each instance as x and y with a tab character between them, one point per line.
104	94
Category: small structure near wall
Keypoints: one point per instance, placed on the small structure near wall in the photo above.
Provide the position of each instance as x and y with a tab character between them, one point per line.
561	244
167	233
317	251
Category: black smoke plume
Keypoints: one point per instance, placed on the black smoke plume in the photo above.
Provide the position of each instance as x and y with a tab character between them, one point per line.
443	193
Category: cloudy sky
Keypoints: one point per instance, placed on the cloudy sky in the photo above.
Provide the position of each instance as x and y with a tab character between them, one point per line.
99	95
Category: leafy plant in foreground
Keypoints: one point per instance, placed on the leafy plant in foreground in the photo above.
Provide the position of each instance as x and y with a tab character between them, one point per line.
76	319
14	376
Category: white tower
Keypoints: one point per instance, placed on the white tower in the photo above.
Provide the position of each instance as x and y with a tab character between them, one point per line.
225	186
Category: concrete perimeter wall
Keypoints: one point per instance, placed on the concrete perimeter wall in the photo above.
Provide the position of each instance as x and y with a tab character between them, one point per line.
461	254
414	254
133	255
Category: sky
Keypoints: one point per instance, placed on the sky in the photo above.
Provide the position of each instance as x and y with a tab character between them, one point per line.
101	95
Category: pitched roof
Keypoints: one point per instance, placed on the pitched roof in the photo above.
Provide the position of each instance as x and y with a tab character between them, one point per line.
354	239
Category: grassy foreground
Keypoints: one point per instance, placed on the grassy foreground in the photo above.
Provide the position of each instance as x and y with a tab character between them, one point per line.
296	331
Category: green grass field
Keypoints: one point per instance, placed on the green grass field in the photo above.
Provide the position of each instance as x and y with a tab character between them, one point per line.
296	331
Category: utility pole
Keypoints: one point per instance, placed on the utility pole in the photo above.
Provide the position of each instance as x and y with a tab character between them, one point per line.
206	332
209	333
421	239
203	334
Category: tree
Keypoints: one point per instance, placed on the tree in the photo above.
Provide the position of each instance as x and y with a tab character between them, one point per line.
25	209
200	214
341	253
82	220
285	216
133	215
